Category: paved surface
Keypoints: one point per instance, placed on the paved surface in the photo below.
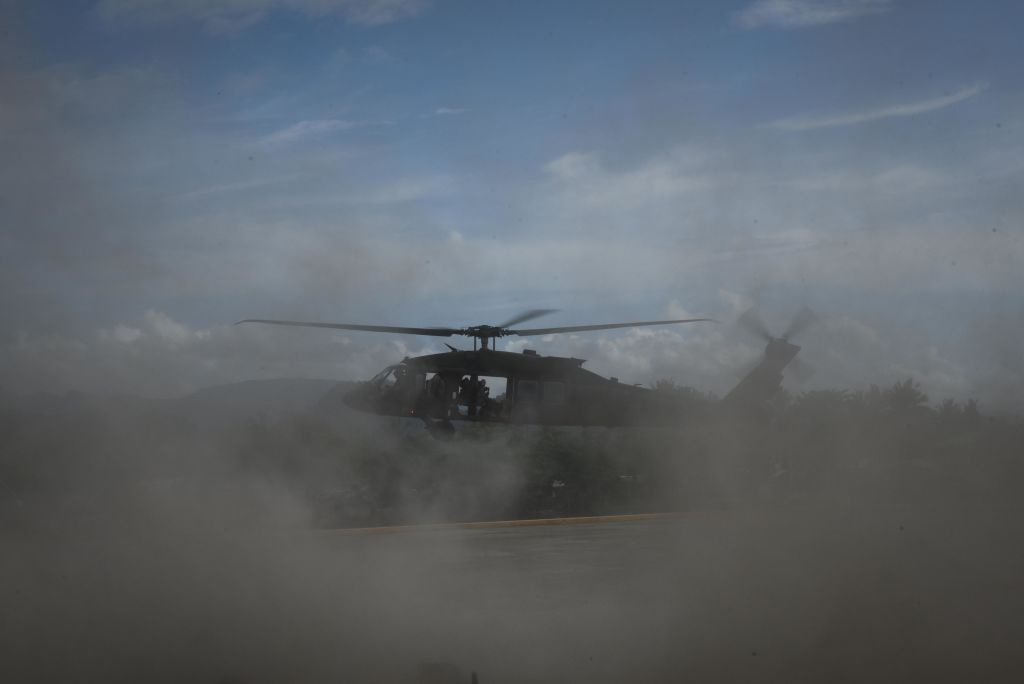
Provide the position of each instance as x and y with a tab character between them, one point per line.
716	597
880	595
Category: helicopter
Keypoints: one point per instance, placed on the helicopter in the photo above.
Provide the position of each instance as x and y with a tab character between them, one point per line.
538	390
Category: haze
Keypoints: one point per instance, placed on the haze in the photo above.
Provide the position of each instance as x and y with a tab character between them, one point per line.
168	481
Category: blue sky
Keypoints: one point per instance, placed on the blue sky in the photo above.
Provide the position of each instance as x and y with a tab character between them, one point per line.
179	165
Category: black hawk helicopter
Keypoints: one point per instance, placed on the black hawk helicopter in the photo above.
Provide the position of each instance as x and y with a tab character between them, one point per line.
540	390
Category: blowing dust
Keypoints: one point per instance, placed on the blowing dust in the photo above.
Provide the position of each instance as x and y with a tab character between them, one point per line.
172	166
140	546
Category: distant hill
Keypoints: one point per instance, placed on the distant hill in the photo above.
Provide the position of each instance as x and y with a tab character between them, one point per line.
209	406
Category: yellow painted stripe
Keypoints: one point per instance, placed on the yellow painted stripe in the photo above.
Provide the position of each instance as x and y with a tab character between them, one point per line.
488	524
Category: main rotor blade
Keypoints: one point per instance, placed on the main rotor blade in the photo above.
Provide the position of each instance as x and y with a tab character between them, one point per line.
751	320
804	318
605	326
526	316
433	332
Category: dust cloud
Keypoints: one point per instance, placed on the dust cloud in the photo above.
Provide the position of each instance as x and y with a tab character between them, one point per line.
153	194
136	549
144	543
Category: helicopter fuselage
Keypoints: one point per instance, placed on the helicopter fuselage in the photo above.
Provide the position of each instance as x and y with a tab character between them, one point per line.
546	390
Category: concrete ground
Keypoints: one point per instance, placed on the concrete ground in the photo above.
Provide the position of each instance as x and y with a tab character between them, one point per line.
755	596
810	596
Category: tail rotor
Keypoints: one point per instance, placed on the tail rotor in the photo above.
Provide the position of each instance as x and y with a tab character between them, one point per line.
765	379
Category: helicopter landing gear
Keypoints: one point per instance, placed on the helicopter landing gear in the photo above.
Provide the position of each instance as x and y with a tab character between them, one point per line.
439	429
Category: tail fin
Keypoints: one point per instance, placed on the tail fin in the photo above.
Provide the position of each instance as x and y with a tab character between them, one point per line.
764	382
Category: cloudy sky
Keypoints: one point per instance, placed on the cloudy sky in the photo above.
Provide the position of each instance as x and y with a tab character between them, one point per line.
172	166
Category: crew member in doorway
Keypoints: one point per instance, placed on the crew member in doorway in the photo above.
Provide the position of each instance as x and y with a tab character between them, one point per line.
483	393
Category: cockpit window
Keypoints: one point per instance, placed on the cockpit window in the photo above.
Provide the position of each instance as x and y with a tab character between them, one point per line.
387	378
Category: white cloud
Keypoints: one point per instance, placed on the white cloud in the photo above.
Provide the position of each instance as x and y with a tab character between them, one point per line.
442	111
237	186
310	128
356	192
405	190
799	123
121	333
166	329
573	165
903	178
227	16
707	220
850	353
702	355
845	353
803	13
160	356
676	310
581	179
